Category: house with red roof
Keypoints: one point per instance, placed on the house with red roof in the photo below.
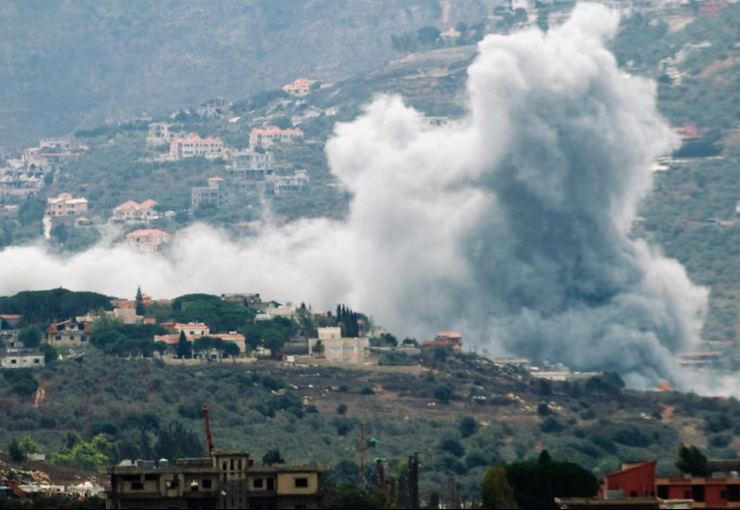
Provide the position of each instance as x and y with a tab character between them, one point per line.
148	239
131	212
300	87
69	332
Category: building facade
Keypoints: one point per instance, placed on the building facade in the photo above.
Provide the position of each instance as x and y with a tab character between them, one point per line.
70	332
214	194
192	145
148	239
223	480
267	136
132	212
65	205
22	358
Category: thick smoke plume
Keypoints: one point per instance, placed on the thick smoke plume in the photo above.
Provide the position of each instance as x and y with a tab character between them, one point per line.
511	225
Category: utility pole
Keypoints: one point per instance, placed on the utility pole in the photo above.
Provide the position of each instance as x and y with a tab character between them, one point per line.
209	438
414	480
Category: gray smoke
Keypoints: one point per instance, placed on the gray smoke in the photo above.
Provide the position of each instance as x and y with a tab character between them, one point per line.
511	225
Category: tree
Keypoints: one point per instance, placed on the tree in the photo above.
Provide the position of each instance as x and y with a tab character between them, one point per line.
139	302
184	349
175	441
342	409
428	35
495	490
544	457
30	336
468	426
443	394
452	446
273	457
91	454
692	461
15	452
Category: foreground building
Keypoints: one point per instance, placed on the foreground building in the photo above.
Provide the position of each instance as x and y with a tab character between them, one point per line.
65	205
337	349
222	480
637	485
132	212
69	333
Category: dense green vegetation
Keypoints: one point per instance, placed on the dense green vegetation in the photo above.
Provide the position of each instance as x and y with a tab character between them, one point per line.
46	306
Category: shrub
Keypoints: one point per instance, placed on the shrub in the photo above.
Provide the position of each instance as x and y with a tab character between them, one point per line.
543	409
468	426
367	390
342	409
443	394
550	425
720	440
452	446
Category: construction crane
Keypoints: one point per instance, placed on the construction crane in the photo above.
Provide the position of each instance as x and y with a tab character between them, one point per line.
209	438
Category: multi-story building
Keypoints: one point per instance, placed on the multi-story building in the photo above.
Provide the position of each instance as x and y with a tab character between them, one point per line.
337	349
451	339
65	205
159	134
192	145
148	239
22	358
266	136
222	480
131	212
69	332
214	107
251	166
214	194
638	484
286	184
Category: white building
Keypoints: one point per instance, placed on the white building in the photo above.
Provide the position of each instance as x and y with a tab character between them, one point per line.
65	205
159	134
192	145
22	359
131	212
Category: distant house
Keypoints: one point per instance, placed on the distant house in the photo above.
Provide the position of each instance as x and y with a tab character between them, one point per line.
69	332
65	205
22	358
195	330
214	194
131	212
148	239
10	319
215	107
267	136
299	88
251	165
286	184
451	339
333	347
159	134
192	145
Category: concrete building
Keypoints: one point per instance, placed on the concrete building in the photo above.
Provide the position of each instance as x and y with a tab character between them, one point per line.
286	184
299	88
159	134
215	107
132	212
65	205
70	333
192	145
214	194
223	480
148	239
268	135
337	349
721	489
22	358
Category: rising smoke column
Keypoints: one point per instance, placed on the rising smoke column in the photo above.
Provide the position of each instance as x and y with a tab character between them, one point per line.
511	224
519	216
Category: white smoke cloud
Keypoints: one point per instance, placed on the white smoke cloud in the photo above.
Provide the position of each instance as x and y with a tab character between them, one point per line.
511	224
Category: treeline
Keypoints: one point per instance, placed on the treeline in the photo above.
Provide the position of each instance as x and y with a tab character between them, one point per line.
45	306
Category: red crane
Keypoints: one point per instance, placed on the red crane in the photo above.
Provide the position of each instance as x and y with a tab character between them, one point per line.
209	438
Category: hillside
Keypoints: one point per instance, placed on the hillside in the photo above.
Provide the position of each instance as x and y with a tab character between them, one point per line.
301	410
156	57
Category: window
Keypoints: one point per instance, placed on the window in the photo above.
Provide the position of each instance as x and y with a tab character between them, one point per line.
633	494
270	484
13	361
151	477
300	482
224	466
697	493
232	464
36	360
240	464
206	483
257	483
733	492
723	494
137	486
